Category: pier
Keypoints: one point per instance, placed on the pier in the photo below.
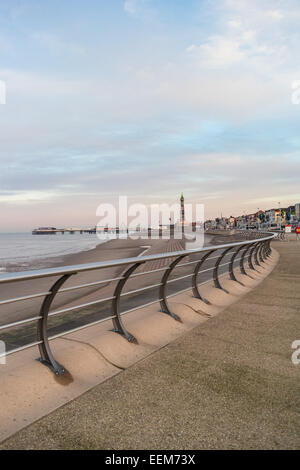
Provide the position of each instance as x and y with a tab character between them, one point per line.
92	230
54	231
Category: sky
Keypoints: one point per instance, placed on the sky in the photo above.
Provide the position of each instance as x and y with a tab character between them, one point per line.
147	98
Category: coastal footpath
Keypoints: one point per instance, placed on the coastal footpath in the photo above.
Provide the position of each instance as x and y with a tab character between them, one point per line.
228	383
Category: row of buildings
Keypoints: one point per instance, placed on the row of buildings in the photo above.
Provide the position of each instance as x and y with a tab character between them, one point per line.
272	218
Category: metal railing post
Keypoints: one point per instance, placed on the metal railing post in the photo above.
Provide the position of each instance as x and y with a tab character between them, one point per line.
162	291
42	334
196	292
216	270
242	260
267	250
231	272
260	252
117	321
256	254
250	262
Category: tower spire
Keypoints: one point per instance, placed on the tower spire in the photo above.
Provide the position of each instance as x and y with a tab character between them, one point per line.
182	211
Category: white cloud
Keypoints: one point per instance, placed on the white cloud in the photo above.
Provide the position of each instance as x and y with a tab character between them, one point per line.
224	51
25	197
275	14
141	9
234	23
31	86
6	45
247	35
238	72
56	45
220	52
130	7
191	48
284	198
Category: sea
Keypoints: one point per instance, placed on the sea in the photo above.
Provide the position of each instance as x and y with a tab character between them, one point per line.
24	251
19	251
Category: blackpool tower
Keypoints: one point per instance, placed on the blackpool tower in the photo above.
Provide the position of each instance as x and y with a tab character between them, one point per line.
182	212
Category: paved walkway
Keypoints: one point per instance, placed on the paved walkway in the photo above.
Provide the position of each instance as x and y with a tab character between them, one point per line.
229	383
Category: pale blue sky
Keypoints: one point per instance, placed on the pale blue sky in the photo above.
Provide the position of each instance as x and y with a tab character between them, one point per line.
147	98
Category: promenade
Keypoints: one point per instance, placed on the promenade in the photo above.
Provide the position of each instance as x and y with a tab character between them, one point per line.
228	383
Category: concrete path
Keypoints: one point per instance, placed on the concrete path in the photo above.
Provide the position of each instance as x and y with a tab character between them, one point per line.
229	383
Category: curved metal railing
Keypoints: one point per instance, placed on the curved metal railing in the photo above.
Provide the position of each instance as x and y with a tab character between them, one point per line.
255	251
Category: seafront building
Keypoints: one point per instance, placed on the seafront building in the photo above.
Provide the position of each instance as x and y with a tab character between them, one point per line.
275	218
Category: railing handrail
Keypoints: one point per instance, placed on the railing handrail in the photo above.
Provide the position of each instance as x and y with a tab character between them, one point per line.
258	248
41	273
